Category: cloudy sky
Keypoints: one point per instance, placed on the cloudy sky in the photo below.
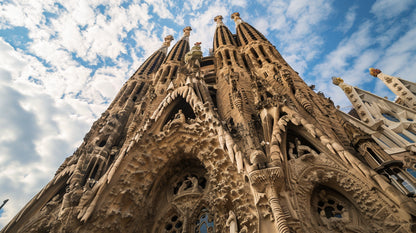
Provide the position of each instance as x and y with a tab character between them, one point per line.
63	61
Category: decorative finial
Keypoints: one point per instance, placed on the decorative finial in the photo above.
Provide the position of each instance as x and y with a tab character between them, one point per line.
194	54
374	72
236	17
168	39
337	80
218	20
187	31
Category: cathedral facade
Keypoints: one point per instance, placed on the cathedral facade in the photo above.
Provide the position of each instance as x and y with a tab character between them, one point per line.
232	142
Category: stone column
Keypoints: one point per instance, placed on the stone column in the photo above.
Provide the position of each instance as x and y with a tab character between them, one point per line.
270	180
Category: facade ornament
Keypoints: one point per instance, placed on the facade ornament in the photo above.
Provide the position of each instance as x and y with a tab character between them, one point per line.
187	31
236	17
168	40
194	55
374	72
218	20
232	222
270	180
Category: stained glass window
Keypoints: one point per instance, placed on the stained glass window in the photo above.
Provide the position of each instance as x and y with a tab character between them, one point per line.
205	223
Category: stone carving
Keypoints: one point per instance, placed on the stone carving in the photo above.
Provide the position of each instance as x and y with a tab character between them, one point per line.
232	222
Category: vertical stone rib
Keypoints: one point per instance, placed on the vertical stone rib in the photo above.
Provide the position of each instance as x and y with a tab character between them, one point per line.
279	217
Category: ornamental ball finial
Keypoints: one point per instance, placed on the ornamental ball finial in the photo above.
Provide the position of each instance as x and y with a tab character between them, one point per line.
374	72
187	31
337	80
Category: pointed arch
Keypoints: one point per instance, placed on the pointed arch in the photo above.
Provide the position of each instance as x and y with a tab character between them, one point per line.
299	143
182	98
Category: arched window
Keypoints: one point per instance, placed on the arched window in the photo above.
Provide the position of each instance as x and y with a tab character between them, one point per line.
205	223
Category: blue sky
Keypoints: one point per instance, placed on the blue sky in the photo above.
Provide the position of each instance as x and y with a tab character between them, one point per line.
63	61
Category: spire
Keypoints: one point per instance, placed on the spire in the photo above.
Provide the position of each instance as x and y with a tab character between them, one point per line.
181	47
245	32
155	60
222	36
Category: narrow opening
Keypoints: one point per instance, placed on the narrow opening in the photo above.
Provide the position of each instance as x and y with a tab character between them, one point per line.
374	155
227	54
245	62
235	57
249	32
213	94
102	143
175	70
222	36
262	51
230	37
254	53
240	32
216	38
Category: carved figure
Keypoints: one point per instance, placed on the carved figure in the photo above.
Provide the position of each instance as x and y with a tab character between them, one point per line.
232	222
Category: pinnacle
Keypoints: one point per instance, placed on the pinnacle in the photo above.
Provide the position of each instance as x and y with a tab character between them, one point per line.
168	39
236	17
218	20
374	72
187	31
337	80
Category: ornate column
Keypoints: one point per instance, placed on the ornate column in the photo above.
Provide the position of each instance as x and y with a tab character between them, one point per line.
270	180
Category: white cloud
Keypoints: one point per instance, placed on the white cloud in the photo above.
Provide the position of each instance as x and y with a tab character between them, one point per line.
349	19
387	9
348	48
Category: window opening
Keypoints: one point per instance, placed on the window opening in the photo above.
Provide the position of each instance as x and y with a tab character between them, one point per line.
374	156
222	35
250	33
230	37
205	223
390	117
245	62
174	225
242	35
406	137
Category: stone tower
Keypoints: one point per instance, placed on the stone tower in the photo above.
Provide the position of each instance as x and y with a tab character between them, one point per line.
232	142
